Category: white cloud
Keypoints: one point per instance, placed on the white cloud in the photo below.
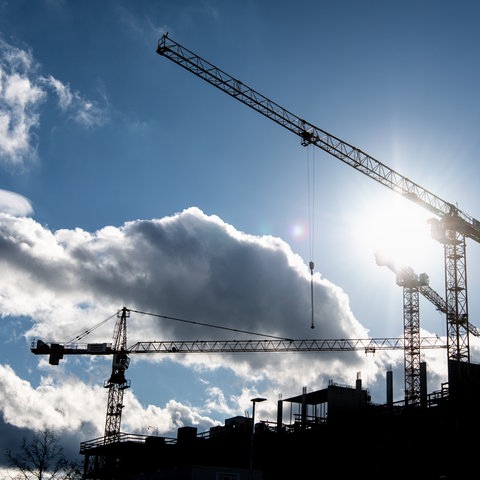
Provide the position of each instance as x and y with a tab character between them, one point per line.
20	98
22	92
15	204
81	110
65	403
217	402
65	96
52	405
190	266
167	420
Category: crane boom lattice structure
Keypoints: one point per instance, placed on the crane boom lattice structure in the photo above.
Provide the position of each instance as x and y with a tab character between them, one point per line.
451	227
406	276
369	345
413	285
411	332
117	383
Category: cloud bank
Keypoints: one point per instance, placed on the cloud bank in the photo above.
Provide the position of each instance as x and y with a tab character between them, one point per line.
190	266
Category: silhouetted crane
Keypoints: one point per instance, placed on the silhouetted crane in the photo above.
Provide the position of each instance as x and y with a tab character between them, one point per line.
450	227
117	383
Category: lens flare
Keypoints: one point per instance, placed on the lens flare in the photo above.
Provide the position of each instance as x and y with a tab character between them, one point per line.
298	230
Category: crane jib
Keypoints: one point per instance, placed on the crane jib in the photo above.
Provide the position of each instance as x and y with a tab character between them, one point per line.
310	134
369	345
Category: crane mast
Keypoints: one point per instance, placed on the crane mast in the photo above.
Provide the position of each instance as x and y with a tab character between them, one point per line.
451	227
117	383
406	275
412	285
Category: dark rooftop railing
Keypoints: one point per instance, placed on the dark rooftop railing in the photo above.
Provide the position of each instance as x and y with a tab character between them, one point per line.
120	438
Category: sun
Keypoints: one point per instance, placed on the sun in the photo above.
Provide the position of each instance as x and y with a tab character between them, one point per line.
399	230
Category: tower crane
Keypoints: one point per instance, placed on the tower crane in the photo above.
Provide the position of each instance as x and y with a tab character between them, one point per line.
450	226
414	284
406	276
411	284
117	383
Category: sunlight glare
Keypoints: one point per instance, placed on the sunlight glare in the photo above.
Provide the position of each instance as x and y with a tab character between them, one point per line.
398	230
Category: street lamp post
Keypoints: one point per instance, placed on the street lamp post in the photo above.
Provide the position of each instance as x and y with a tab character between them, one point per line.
254	401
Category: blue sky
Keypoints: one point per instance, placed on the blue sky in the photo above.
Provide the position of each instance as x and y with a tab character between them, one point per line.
127	181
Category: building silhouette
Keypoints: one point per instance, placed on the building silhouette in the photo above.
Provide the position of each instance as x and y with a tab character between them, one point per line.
333	433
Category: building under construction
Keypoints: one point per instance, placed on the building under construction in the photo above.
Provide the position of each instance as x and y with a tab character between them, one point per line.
336	432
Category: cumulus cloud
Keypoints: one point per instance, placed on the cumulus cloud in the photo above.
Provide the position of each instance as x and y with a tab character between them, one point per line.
190	266
64	403
166	420
52	405
20	98
22	92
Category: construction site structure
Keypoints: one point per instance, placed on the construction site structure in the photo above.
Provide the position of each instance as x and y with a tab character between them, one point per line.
327	433
368	345
338	414
117	383
413	285
406	276
450	226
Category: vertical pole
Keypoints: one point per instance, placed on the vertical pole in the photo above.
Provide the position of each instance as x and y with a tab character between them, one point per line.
250	469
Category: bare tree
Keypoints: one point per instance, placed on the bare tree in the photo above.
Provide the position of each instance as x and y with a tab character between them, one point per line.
42	458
